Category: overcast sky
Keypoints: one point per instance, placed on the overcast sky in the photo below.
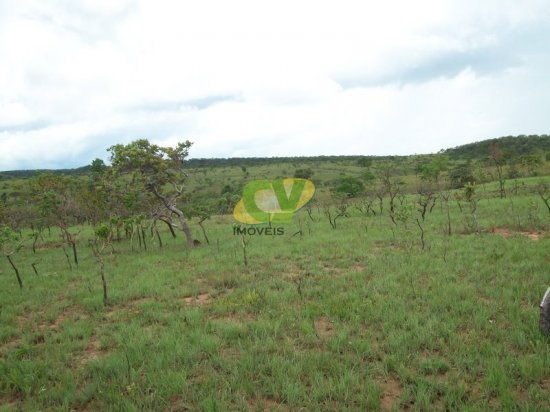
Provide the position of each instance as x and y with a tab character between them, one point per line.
258	78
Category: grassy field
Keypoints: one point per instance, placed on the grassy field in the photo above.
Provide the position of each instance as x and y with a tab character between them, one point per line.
354	318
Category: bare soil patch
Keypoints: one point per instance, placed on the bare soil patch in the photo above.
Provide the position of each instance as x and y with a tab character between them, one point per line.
392	393
8	346
202	299
265	404
239	318
92	351
506	233
324	328
9	400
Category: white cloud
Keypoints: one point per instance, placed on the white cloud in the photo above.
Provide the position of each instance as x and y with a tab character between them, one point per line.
247	78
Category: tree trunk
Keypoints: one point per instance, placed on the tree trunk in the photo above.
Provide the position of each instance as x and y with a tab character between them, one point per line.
169	224
143	237
170	204
204	231
184	226
16	272
73	244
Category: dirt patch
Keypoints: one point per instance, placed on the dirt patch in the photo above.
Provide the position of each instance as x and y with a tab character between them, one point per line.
132	304
202	299
230	353
522	395
41	325
92	351
139	301
359	267
506	233
324	328
465	335
532	235
177	403
9	400
49	245
131	307
22	319
265	404
8	346
392	393
60	319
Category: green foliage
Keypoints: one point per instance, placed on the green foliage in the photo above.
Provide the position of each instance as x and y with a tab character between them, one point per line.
156	165
368	176
102	232
7	235
303	173
469	191
461	175
403	212
349	186
98	167
530	162
432	169
364	162
512	146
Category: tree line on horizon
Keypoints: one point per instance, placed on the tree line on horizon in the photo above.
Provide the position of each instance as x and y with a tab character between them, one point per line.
513	147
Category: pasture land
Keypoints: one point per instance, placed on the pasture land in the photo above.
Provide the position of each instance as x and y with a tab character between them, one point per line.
360	317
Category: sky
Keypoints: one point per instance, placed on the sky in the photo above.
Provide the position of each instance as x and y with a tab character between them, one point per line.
245	78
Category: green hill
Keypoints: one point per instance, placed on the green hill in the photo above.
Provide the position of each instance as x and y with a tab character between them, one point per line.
511	146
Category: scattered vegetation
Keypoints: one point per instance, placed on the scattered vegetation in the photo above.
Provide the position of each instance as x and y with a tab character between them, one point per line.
417	292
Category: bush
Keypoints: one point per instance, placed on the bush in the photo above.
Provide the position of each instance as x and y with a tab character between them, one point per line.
303	173
349	185
461	175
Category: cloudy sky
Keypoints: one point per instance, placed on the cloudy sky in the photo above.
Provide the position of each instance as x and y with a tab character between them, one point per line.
258	78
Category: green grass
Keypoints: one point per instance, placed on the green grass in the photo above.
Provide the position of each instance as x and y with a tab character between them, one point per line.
353	318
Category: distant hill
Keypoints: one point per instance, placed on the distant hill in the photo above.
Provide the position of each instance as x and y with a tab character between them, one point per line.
19	174
258	161
512	146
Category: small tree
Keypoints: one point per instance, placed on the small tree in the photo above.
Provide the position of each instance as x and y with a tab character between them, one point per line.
388	185
10	244
55	196
498	160
103	237
426	200
303	173
349	186
159	170
431	171
461	175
